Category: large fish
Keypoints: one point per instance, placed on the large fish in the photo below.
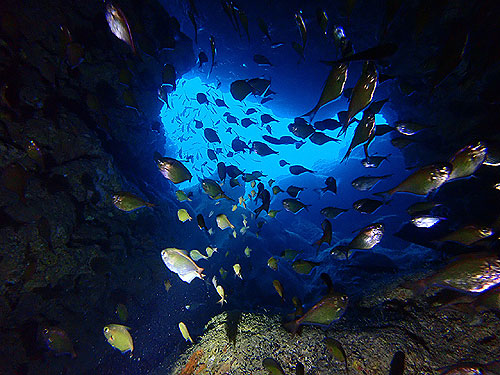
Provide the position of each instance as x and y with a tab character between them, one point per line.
368	237
129	202
364	133
423	181
467	160
172	169
213	189
301	128
119	26
332	89
471	273
362	94
180	263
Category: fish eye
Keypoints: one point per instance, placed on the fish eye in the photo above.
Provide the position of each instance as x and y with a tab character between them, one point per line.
106	329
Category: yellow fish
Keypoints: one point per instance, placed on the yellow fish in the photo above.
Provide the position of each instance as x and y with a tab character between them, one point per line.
252	184
119	337
196	255
223	222
247	252
234	208
210	250
129	202
185	332
237	270
183	215
234	233
220	290
223	273
273	263
279	288
167	284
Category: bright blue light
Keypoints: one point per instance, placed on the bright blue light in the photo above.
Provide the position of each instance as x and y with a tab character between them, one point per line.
179	123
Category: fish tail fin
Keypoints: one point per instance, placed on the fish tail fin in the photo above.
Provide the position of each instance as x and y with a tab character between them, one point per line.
292	326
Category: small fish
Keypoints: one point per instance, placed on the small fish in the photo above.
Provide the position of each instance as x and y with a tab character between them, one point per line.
180	263
210	251
401	142
213	189
302	27
183	215
282	163
365	183
167	284
425	221
289	254
262	149
294	191
182	196
185	332
240	89
202	58
304	267
298	169
273	213
196	255
272	263
272	366
467	160
119	337
119	26
293	205
222	295
368	237
129	202
247	252
279	289
201	222
319	138
421	207
244	22
172	169
409	128
223	222
263	27
35	154
237	270
214	51
300	128
322	19
373	161
195	26
331	185
57	340
423	181
261	60
299	49
337	351
332	212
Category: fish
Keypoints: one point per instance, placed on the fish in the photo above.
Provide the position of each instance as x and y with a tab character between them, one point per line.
332	88
362	94
302	27
423	181
263	27
368	237
293	205
266	200
332	212
233	171
380	52
202	59
282	163
201	98
373	161
304	267
246	122
365	183
260	86
221	171
279	289
220	103
261	60
322	19
289	254
273	213
233	182
397	364
201	222
363	133
327	124
298	170
119	337
35	154
240	89
213	189
319	138
470	273
277	190
247	252
58	341
272	263
272	366
196	255
337	351
180	263
211	39
119	26
210	250
185	332
239	146
265	100
472	368
237	270
327	234
182	196
128	202
300	128
425	221
409	128
329	309
183	215
266	119
401	142
223	222
167	284
421	207
198	124
172	169
262	149
376	107
221	293
250	111
467	160
331	185
294	191
467	235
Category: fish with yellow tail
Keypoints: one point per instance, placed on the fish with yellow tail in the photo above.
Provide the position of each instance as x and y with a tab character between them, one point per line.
329	309
185	332
172	169
362	94
128	202
422	182
179	262
237	270
119	337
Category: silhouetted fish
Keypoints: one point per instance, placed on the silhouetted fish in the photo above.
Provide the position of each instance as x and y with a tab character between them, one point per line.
238	145
262	149
298	169
201	98
328	124
211	135
246	122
